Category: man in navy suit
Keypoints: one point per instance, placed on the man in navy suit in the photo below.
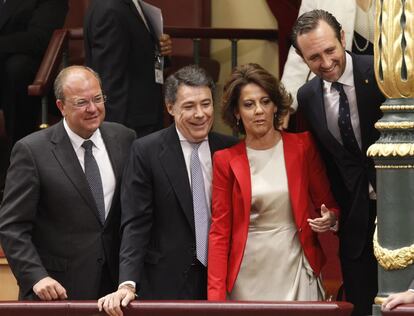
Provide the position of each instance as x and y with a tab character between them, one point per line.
121	45
25	30
58	240
158	258
341	105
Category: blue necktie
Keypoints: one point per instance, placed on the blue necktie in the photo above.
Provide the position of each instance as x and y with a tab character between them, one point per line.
201	213
344	122
94	179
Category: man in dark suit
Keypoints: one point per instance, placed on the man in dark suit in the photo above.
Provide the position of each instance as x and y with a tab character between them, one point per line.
25	29
162	253
120	44
341	106
59	228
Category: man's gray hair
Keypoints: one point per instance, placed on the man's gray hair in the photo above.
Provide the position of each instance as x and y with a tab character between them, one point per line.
192	75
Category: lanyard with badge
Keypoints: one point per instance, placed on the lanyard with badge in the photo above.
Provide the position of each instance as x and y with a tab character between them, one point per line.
159	67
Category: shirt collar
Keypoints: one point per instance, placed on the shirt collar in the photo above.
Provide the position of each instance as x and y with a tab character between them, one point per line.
347	78
183	139
77	141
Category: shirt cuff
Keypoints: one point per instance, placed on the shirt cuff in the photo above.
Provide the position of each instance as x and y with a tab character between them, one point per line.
129	283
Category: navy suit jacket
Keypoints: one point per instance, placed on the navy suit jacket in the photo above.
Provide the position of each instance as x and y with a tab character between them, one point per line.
27	25
122	50
157	221
349	174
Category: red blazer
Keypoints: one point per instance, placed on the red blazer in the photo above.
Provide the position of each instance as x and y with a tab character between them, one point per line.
308	189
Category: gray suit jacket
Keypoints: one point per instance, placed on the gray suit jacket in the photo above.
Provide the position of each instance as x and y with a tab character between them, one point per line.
49	223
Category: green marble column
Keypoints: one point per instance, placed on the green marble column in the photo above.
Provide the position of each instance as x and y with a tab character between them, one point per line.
393	153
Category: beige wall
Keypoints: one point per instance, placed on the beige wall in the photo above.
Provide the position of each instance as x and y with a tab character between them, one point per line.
8	284
242	14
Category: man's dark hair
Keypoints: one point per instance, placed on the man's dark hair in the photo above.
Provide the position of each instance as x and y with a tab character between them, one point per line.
309	21
192	75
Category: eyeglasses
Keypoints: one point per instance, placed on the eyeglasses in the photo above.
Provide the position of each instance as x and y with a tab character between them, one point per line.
82	103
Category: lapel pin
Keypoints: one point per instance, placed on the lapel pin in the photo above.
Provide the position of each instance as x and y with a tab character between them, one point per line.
366	81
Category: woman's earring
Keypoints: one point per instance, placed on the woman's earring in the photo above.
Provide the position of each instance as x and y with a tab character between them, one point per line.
237	121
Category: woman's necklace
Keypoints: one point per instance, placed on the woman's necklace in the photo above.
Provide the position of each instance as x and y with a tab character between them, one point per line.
368	14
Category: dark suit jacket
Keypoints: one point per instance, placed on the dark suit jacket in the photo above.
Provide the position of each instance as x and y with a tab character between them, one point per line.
26	25
122	50
349	174
157	221
232	200
48	218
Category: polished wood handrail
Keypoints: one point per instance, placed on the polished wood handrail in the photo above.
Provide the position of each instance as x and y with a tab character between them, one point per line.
50	64
221	33
182	308
59	41
204	32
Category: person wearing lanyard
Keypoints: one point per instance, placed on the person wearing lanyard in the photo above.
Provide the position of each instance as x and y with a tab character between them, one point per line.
121	45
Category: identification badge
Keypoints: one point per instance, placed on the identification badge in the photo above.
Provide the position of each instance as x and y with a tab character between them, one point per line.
159	69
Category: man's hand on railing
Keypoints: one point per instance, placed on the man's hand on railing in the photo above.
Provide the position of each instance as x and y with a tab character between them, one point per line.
396	299
165	45
48	289
112	302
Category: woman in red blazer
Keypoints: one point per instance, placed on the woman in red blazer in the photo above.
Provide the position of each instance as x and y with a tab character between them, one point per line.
263	243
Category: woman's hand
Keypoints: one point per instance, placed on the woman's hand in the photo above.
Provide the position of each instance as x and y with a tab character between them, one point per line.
323	223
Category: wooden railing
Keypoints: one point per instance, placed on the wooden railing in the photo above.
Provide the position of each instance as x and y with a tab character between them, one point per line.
180	308
402	310
57	53
231	34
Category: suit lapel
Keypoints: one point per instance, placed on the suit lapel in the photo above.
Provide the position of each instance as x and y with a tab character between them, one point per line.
362	89
8	8
177	172
114	153
134	9
66	157
318	117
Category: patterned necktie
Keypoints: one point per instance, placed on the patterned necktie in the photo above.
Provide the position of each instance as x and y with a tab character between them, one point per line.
94	179
344	122
201	213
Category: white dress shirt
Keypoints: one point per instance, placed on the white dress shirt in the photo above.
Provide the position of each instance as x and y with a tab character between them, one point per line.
205	160
331	102
101	156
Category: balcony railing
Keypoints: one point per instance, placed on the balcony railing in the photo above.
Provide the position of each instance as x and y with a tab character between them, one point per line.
57	54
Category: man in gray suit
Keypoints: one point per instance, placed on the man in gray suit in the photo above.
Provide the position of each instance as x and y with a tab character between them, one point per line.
59	219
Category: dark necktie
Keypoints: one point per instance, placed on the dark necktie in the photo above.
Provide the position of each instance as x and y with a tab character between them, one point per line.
94	179
344	122
201	214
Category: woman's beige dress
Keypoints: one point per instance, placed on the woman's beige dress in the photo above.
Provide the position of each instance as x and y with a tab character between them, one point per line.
274	266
